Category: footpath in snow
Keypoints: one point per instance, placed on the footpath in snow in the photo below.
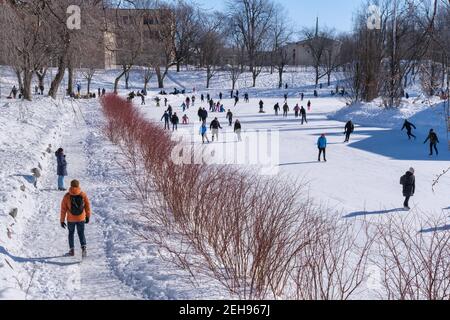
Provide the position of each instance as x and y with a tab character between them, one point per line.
120	265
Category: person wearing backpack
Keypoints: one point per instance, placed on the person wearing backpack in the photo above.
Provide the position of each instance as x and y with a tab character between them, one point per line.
408	181
76	209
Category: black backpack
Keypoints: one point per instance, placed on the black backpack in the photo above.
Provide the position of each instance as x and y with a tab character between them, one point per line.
76	205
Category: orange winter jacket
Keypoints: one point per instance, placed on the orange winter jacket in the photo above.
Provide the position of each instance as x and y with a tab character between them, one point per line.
65	207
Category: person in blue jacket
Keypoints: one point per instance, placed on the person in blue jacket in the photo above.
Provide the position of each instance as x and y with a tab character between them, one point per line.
203	130
322	145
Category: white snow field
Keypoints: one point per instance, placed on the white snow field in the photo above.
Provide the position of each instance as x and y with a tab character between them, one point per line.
360	179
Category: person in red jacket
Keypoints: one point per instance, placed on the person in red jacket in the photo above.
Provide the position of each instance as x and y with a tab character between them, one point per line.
76	209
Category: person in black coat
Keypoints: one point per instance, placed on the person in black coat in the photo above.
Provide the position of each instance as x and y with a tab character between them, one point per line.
175	121
408	126
303	113
349	128
238	129
214	127
166	118
434	140
261	106
61	169
408	181
230	117
204	115
277	108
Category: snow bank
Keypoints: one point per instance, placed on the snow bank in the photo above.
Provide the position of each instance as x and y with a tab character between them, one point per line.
425	114
30	134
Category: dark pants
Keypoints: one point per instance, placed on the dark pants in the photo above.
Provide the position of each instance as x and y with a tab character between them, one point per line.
174	126
347	136
304	119
230	121
411	135
323	150
80	230
406	203
166	125
433	146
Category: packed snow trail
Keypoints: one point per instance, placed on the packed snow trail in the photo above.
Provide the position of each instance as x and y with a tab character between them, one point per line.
54	276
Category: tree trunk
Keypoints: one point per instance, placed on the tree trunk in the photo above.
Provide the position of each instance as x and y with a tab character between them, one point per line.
178	65
160	78
89	85
70	80
127	79
280	77
317	76
208	76
27	77
116	82
56	82
19	78
329	78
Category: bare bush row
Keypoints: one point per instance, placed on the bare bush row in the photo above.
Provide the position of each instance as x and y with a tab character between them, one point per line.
263	238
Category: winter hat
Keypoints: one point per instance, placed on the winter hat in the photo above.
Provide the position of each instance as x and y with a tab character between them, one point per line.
412	170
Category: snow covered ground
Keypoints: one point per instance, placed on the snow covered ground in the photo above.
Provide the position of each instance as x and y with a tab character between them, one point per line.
360	180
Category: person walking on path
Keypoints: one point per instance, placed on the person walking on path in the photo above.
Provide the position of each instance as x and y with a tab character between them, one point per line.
297	110
166	118
238	130
303	113
61	169
408	181
204	115
285	110
230	117
322	145
203	130
276	108
309	105
76	210
349	129
175	121
214	127
185	119
236	100
434	140
408	126
261	106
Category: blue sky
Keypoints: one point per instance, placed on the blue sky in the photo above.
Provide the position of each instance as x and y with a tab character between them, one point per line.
332	13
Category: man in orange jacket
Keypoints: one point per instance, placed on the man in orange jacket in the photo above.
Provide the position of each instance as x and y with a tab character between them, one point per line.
76	208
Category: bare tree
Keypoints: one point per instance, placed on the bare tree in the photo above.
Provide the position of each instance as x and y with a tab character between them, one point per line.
24	27
187	18
251	21
210	46
280	34
323	49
